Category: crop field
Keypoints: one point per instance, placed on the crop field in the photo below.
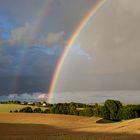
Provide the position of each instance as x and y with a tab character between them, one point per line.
8	107
23	126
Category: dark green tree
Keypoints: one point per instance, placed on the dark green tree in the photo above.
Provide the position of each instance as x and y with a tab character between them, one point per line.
26	110
47	111
72	109
112	107
104	112
88	112
126	113
37	110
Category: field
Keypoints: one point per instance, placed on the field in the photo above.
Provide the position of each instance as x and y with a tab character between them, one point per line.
23	126
8	107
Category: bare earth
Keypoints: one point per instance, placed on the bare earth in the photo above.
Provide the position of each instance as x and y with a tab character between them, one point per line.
21	126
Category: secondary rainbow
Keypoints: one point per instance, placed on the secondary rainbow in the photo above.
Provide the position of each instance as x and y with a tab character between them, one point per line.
69	44
42	15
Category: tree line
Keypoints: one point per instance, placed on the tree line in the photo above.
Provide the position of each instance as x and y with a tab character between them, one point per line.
111	110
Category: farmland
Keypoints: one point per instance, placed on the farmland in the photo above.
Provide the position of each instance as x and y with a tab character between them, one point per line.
22	126
8	107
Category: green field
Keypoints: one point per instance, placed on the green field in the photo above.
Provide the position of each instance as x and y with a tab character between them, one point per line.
8	107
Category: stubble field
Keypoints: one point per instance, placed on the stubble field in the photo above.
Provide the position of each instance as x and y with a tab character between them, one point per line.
23	126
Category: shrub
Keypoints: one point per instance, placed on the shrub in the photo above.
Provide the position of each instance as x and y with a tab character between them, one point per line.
37	110
26	110
46	111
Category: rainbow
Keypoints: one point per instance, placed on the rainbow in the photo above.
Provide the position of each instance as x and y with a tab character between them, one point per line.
69	44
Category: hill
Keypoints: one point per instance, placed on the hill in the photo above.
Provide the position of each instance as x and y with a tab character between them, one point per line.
50	126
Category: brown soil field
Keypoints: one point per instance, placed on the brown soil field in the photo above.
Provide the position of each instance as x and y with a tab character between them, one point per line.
24	126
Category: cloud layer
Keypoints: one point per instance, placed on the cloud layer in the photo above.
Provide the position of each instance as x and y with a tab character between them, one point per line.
111	39
32	37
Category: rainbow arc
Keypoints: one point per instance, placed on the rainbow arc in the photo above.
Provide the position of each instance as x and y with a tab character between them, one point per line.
69	44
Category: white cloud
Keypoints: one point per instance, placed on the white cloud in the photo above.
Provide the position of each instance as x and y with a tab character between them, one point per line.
37	96
78	50
43	96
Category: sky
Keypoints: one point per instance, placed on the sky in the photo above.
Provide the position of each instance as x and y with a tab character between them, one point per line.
104	58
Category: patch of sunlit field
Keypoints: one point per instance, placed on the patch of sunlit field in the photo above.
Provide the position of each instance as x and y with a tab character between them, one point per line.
34	126
13	107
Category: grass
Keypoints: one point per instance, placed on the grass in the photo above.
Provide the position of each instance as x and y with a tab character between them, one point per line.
8	107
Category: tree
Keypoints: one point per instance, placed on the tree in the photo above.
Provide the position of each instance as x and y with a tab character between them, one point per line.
104	112
127	112
112	107
47	111
97	110
72	109
26	110
37	110
88	112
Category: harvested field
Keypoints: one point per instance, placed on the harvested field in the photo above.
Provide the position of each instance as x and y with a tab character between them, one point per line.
22	126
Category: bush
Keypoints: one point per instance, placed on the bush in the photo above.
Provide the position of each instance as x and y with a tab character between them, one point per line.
37	110
46	111
26	110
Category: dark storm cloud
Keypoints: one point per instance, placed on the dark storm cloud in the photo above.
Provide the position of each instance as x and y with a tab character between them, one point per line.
31	42
30	74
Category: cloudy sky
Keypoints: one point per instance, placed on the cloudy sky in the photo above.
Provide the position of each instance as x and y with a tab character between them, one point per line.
105	56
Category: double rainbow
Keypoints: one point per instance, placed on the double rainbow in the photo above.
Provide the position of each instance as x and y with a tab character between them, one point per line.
69	44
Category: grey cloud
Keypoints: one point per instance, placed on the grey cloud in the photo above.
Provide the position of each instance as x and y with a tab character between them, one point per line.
26	35
97	96
129	6
4	60
52	39
22	34
38	23
112	40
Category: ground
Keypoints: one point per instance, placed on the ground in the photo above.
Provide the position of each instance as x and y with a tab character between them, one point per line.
23	126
